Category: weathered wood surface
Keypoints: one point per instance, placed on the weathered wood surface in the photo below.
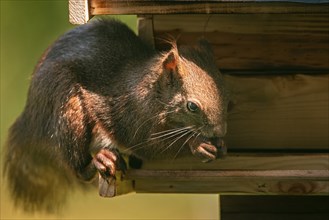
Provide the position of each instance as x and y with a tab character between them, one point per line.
249	43
99	7
79	11
279	112
246	161
261	173
277	174
292	182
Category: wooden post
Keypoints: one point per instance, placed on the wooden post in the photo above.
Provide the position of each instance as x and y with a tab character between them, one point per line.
78	11
145	28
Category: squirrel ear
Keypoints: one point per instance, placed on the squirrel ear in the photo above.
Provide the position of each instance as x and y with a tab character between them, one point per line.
169	76
170	63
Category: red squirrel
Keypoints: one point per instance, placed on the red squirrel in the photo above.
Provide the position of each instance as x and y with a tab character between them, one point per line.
99	92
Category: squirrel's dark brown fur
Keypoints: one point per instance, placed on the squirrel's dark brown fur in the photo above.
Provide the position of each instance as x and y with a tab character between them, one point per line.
100	90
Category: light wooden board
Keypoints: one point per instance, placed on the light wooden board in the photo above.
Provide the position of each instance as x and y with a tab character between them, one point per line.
79	11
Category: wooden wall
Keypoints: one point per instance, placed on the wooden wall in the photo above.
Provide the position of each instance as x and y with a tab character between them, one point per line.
276	67
263	42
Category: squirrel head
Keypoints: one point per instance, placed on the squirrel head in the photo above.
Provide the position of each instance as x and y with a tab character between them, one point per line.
193	94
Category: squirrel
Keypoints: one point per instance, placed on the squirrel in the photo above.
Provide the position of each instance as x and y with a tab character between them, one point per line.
100	92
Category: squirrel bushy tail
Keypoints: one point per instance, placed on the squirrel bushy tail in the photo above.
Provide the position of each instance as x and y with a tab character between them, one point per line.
36	182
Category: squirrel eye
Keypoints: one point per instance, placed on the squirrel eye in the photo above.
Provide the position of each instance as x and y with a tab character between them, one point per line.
191	106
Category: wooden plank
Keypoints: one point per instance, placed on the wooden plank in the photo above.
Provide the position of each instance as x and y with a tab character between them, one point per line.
252	174
245	161
310	182
279	112
234	187
78	11
254	42
99	7
211	175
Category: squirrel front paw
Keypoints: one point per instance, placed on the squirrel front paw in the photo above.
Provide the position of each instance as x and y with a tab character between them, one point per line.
208	149
107	162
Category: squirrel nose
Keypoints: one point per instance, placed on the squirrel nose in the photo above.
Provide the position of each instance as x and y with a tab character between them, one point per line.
220	130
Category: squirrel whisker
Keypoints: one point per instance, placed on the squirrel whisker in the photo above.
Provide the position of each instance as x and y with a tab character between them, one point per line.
187	132
172	132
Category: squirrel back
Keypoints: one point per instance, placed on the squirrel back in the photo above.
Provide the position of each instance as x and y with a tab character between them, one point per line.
100	86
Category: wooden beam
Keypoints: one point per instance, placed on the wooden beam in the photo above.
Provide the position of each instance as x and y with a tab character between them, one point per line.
275	182
253	174
245	161
99	7
251	43
211	175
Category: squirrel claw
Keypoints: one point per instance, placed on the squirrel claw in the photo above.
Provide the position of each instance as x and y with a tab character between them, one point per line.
108	161
105	162
206	152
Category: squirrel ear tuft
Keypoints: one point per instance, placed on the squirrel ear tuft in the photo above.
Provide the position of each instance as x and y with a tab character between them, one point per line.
206	46
170	63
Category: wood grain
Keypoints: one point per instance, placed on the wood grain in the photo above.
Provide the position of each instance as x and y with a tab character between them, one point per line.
253	174
79	11
254	42
279	112
99	7
232	182
246	161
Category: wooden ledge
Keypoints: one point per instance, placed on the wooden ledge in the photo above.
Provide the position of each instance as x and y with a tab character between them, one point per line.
281	182
306	174
204	7
211	175
79	14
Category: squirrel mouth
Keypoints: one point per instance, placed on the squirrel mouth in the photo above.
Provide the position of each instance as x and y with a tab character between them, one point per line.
207	149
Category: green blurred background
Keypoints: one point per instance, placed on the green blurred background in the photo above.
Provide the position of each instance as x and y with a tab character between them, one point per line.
27	29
